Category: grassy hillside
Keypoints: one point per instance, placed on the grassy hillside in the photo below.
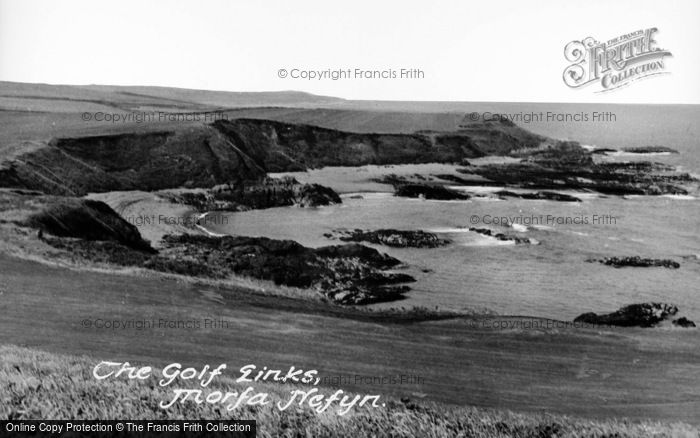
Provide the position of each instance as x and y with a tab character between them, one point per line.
41	385
31	114
41	111
43	97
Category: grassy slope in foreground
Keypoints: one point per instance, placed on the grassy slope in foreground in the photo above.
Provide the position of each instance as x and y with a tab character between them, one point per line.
639	374
41	385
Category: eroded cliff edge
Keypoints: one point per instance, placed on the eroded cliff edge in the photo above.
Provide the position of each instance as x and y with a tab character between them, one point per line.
237	151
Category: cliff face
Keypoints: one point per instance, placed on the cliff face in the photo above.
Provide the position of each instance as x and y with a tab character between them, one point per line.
234	151
285	147
197	157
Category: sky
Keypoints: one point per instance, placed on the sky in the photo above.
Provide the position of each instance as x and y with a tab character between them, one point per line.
508	50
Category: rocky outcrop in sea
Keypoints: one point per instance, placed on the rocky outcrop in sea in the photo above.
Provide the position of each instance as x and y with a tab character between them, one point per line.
267	193
390	237
543	195
637	315
636	262
503	237
569	167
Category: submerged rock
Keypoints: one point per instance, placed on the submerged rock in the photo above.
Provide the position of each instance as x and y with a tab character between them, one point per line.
636	261
550	196
603	151
634	315
427	191
650	150
502	236
391	237
683	322
573	169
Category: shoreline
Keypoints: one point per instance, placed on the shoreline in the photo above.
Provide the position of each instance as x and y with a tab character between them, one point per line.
307	302
540	233
132	203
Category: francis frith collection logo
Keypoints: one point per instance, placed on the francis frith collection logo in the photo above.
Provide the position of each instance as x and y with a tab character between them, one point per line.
614	63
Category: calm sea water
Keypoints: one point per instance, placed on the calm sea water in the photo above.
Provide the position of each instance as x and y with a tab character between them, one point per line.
551	279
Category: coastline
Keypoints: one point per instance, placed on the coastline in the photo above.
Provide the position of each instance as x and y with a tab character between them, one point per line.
127	203
523	363
628	238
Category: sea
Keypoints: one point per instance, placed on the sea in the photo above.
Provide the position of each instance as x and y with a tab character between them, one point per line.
551	277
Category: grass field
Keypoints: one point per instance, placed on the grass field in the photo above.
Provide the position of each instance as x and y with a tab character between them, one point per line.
635	373
37	112
40	385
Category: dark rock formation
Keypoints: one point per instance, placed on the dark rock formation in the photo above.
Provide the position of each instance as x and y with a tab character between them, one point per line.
454	179
634	315
550	196
603	151
636	261
283	147
377	259
390	237
286	147
501	137
570	167
316	195
502	236
428	191
268	193
650	150
683	322
345	274
92	231
194	157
